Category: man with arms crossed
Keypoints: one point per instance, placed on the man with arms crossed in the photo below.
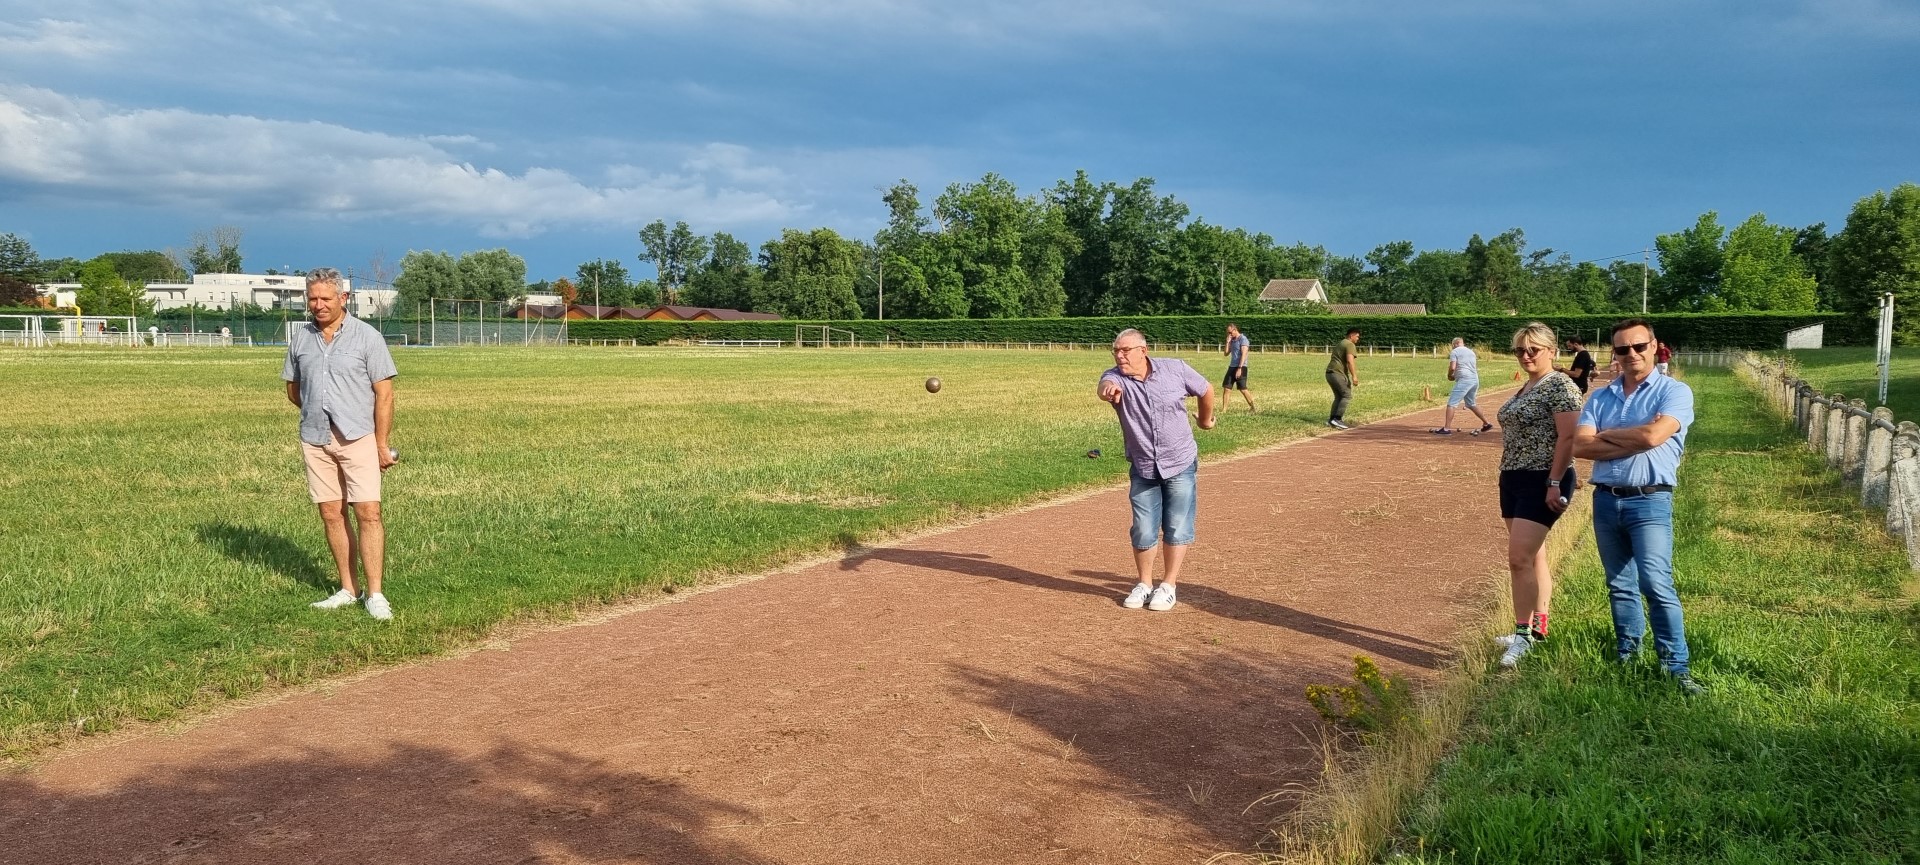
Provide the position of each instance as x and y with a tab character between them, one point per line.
1150	398
1342	377
339	374
1236	352
1463	369
1635	430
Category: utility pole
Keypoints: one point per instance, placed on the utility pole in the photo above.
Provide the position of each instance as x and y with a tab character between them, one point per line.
596	293
881	266
1222	265
1646	266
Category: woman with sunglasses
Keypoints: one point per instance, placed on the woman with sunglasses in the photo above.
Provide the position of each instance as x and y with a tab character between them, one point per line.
1536	479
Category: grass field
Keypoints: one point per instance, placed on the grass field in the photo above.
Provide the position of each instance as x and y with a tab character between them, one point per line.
157	549
1803	621
1851	372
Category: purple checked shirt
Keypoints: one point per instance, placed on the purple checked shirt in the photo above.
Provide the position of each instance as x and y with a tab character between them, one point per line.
1153	416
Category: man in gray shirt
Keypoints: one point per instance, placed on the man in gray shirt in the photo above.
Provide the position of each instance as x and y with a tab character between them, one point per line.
1236	351
340	375
1463	369
1150	397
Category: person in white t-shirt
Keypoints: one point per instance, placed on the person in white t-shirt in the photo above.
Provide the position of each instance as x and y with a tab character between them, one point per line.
1463	369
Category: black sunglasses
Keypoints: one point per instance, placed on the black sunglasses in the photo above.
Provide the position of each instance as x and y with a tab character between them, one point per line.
1528	350
1635	348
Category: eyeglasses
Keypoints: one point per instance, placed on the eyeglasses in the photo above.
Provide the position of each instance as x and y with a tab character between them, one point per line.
1129	348
1529	350
1635	348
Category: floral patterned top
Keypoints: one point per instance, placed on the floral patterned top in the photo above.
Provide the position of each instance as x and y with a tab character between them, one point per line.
1526	422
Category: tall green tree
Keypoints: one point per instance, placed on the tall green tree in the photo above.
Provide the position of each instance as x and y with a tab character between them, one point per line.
18	258
1878	252
1008	252
424	276
1812	245
674	253
493	274
809	276
60	269
1138	233
1346	279
103	292
150	265
1690	261
906	227
1759	270
1494	268
1628	284
1082	205
604	281
727	278
1389	262
1435	277
1588	286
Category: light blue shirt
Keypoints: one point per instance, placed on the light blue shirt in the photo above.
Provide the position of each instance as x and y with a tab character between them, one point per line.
1610	408
1237	351
336	378
1466	364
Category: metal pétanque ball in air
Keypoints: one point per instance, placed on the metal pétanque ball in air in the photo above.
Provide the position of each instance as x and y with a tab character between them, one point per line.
933	385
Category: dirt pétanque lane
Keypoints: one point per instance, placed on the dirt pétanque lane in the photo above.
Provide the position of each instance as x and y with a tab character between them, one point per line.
976	695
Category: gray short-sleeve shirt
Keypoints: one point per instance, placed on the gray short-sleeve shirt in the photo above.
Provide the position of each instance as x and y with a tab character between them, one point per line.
336	379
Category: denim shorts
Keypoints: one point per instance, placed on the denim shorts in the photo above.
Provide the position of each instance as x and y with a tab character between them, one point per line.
1163	505
1464	391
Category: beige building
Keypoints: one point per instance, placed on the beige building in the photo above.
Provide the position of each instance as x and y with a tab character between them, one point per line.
1285	290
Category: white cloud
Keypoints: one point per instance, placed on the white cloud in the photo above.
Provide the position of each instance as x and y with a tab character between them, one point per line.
56	146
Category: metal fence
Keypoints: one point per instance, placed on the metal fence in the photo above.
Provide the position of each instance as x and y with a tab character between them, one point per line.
1871	451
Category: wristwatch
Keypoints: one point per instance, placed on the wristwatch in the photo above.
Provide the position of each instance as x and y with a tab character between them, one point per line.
1552	483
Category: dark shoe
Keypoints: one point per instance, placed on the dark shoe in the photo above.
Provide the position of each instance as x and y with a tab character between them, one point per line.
1687	685
1441	431
1483	428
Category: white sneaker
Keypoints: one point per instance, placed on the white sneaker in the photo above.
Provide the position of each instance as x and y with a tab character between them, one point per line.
342	598
378	607
1517	647
1503	641
1138	597
1162	599
1338	425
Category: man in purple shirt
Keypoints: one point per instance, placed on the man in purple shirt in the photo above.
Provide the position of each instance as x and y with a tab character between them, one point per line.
1150	397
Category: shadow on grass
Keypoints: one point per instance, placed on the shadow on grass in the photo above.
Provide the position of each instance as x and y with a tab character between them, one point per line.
511	805
252	546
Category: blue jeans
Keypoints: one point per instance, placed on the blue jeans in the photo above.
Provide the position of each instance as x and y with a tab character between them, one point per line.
1635	537
1163	504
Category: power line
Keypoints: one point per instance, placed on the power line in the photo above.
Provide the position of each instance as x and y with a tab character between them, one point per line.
1612	257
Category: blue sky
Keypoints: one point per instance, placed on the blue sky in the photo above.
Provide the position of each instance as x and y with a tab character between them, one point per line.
332	131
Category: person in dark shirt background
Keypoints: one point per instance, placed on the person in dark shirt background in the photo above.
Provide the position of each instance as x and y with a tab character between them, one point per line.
1582	370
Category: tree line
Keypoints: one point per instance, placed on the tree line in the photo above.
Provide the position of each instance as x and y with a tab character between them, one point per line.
1085	248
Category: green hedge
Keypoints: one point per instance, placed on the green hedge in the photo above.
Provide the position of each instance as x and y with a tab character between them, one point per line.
1687	330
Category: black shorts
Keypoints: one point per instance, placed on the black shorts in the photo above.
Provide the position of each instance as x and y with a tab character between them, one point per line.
1236	377
1523	495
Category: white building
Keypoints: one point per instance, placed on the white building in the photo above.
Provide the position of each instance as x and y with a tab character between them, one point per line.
224	290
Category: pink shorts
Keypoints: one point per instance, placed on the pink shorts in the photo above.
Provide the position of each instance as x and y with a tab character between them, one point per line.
352	466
